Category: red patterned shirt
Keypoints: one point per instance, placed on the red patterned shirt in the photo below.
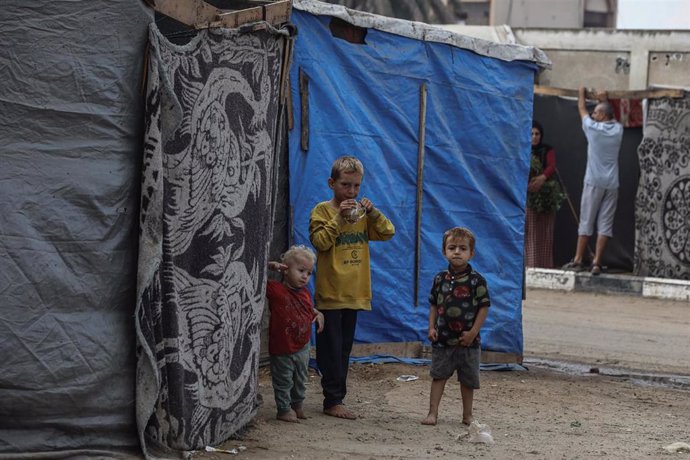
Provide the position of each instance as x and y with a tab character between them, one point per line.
457	298
292	312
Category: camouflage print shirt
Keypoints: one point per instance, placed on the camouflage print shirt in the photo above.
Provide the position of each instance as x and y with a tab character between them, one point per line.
457	298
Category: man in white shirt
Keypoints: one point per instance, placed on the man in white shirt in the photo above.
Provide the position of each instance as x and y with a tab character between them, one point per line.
600	191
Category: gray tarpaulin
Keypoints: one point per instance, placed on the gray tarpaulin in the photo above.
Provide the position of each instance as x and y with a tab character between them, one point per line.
71	124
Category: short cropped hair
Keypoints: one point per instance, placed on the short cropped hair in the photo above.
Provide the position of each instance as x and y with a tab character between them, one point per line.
607	109
459	232
298	250
346	164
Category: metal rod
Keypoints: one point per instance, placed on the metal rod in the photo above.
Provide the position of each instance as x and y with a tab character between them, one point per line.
572	209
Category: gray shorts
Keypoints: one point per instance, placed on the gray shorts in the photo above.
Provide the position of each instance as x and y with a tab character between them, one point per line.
597	204
445	361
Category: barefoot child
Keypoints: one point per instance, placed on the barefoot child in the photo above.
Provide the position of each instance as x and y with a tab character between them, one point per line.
292	313
343	282
459	301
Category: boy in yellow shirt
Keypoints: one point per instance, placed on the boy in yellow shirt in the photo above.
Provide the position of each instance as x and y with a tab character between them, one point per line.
340	229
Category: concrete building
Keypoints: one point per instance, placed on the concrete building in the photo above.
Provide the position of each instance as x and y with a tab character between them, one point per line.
601	58
556	14
612	59
580	39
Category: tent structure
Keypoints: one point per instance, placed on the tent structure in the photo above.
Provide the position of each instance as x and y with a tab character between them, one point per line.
71	121
440	122
75	143
73	148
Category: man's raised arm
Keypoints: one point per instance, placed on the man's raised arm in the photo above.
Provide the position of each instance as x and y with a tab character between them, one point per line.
581	107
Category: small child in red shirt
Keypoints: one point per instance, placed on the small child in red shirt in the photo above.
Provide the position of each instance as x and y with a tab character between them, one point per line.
292	313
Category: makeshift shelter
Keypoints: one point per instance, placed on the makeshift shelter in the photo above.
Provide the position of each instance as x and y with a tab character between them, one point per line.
73	129
71	121
441	123
75	140
213	114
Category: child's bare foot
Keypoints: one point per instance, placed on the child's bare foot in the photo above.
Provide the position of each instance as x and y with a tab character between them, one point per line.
289	416
300	413
467	420
429	420
340	411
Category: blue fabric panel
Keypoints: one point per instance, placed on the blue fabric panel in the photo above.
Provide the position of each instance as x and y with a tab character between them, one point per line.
364	101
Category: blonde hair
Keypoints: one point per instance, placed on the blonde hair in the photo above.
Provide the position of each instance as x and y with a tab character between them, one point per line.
298	250
459	232
346	164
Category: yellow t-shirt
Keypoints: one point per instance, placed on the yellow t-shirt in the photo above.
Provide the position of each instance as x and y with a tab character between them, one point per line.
343	275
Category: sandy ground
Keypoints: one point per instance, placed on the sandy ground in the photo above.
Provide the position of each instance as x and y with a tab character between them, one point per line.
538	414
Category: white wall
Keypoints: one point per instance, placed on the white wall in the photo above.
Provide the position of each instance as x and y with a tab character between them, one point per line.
612	59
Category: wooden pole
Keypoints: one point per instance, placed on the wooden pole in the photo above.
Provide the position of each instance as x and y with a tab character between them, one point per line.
420	188
304	102
202	15
615	94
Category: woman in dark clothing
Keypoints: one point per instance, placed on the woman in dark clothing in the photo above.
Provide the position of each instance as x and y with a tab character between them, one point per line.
544	197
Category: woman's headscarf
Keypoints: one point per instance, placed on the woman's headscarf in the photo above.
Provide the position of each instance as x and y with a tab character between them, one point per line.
540	149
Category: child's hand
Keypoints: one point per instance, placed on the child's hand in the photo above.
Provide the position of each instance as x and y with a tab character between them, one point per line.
367	204
433	335
466	338
319	320
277	267
345	207
536	183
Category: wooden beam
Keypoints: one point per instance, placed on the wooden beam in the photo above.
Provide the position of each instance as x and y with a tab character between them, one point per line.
201	15
615	94
278	12
304	103
496	357
233	19
398	349
285	69
403	350
189	12
290	111
420	189
487	357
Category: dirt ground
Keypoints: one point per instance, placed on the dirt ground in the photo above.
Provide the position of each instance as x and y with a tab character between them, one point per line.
535	414
538	414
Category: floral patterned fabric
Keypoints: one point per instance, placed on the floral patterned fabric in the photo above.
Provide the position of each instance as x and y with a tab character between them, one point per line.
212	110
457	297
662	213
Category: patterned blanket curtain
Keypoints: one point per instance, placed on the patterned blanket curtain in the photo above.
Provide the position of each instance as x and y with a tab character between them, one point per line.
662	213
212	117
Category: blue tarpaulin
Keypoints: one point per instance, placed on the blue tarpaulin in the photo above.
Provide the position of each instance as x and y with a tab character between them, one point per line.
364	101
